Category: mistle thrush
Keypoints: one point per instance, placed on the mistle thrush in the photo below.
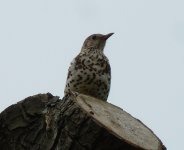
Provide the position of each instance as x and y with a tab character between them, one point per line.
90	72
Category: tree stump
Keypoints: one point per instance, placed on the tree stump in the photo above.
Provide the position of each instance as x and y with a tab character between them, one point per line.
44	122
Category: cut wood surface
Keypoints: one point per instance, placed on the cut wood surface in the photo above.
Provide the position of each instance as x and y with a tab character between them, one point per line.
79	122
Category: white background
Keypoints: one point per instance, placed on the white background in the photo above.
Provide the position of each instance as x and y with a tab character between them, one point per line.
39	38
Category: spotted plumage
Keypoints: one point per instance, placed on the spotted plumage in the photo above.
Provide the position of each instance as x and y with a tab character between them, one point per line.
90	72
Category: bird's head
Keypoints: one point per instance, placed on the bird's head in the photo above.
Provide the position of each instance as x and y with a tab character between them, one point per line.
96	41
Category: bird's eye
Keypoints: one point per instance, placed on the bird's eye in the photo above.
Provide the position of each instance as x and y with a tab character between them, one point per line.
94	37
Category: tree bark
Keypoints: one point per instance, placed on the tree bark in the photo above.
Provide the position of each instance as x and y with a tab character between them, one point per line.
77	122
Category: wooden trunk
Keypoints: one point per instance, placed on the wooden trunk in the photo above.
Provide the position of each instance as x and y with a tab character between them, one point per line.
44	122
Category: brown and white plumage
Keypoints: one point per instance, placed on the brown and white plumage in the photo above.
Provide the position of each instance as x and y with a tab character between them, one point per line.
90	72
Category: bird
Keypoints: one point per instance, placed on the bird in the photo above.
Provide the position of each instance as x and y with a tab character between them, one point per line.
90	72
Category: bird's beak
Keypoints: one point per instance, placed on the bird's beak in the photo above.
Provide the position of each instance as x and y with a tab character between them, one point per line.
105	37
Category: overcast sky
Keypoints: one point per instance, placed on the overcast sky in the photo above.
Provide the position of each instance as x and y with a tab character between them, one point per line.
39	38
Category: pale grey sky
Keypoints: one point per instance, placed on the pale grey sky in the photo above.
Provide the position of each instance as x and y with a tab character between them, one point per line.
39	38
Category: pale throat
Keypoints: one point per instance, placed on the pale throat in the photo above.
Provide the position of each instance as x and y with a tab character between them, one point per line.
92	49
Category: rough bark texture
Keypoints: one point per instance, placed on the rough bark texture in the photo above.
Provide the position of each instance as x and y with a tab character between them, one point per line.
44	122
